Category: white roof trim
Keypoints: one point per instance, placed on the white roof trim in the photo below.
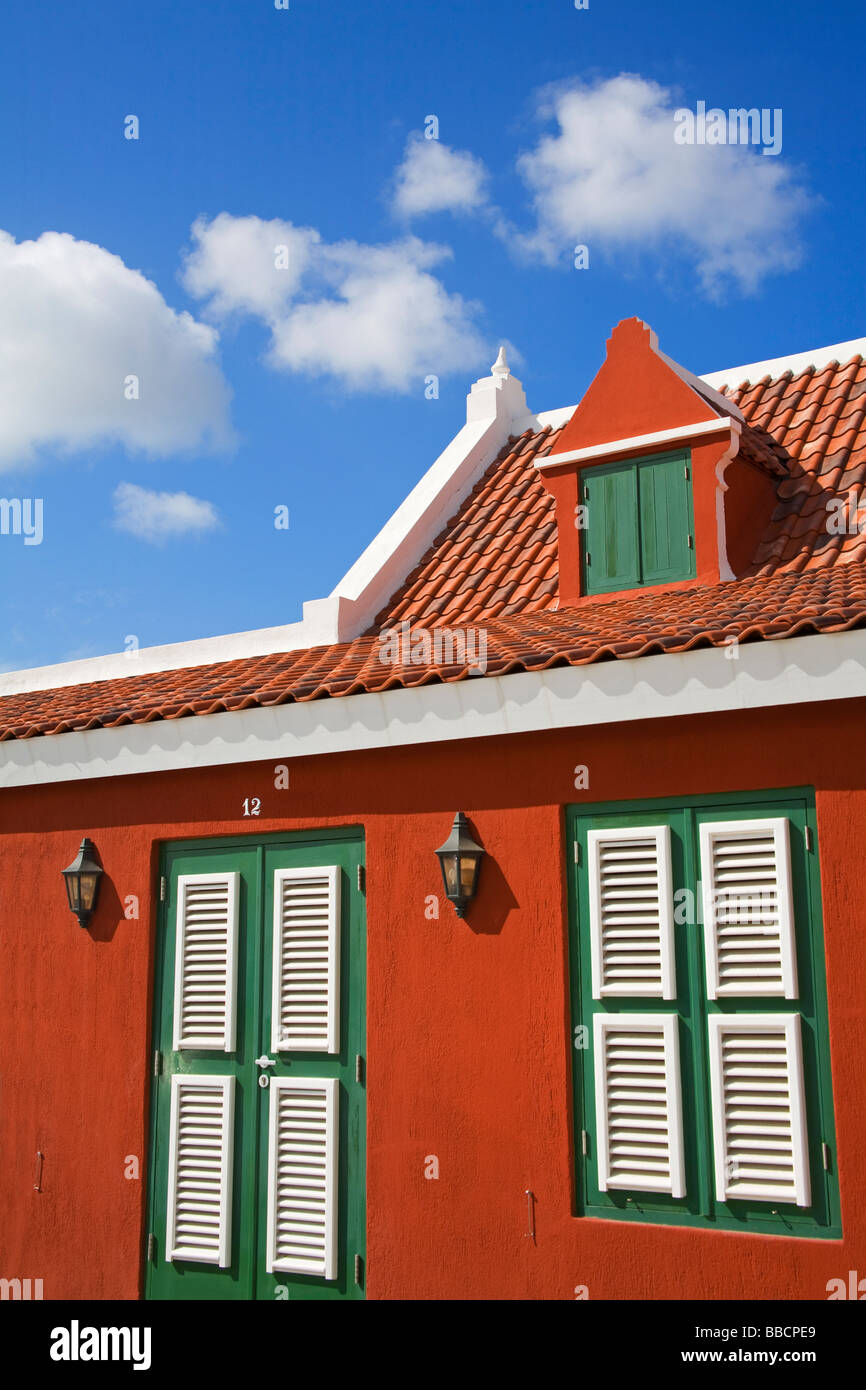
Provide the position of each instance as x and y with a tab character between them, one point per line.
639	441
830	666
798	362
556	418
699	385
495	409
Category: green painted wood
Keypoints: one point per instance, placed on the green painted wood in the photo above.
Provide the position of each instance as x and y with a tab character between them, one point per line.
665	519
255	859
610	553
700	1207
639	520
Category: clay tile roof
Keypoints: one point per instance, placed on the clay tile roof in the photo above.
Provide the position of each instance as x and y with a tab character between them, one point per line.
494	570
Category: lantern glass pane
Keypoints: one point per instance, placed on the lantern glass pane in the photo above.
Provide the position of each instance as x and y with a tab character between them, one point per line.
88	890
467	872
72	890
449	868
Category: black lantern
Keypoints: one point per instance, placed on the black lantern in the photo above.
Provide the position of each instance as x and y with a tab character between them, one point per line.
82	882
460	860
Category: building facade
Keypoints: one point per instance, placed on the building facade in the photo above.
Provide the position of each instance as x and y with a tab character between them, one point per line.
626	640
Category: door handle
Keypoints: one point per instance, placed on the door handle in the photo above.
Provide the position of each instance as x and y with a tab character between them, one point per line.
264	1061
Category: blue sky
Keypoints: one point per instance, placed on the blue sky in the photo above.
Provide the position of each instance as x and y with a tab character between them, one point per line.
304	385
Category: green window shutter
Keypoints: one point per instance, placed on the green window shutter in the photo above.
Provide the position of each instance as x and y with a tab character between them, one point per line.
640	527
610	555
706	1102
664	500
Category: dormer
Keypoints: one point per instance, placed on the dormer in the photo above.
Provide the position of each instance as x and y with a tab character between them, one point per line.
651	484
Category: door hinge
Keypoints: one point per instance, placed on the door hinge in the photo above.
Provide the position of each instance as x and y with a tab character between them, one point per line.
157	1063
810	843
359	1069
151	1247
584	1142
362	879
689	542
576	852
825	1157
686	469
588	558
359	1271
162	889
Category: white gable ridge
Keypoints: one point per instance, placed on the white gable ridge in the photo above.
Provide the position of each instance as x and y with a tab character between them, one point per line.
496	409
797	362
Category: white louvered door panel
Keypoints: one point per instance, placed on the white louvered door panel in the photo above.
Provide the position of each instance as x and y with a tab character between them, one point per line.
206	962
748	908
638	1103
303	1156
759	1110
201	1151
631	912
305	1005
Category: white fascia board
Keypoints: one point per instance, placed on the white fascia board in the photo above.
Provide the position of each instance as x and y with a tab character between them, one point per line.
637	442
795	363
699	385
829	666
496	410
206	651
555	418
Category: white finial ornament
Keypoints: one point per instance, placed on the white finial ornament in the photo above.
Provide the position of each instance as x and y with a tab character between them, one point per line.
500	366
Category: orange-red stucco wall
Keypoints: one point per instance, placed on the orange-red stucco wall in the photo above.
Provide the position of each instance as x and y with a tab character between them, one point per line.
468	1027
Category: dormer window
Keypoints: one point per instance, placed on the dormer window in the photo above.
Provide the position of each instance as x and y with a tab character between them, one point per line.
637	523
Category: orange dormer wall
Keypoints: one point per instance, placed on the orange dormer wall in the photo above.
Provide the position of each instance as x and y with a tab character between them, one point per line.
634	392
638	393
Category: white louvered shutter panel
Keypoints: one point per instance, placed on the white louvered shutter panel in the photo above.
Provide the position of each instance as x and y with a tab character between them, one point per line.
748	908
637	1103
206	962
201	1152
303	1153
631	912
305	1008
759	1112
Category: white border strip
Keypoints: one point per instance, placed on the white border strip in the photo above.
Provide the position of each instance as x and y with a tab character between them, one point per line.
639	441
828	666
798	362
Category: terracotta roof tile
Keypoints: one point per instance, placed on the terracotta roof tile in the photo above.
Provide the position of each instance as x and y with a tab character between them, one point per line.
494	567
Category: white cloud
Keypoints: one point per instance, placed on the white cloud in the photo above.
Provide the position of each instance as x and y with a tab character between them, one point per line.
613	178
435	178
75	322
373	317
159	516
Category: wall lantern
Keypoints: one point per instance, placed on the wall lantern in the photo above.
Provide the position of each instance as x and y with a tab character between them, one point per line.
460	861
82	882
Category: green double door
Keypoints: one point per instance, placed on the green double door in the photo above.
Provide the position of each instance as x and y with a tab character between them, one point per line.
257	1118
